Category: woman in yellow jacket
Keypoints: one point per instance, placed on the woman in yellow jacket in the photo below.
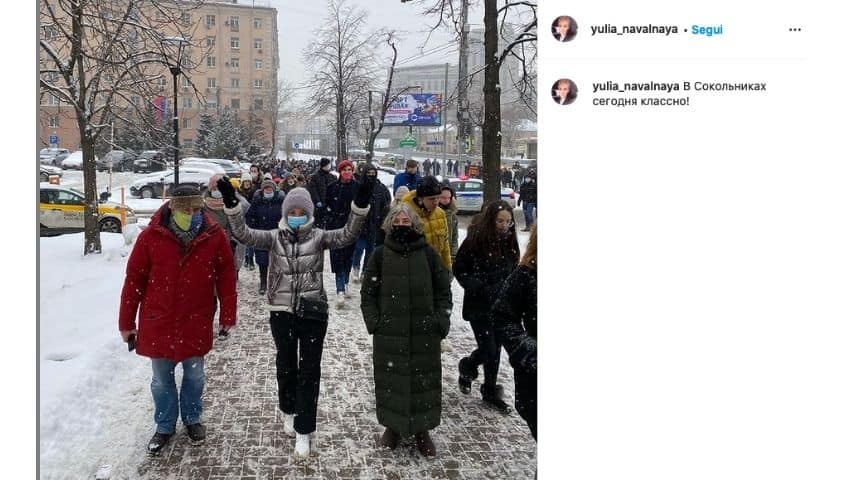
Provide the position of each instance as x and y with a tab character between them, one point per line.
425	202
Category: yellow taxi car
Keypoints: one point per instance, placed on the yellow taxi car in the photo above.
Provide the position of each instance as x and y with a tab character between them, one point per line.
61	211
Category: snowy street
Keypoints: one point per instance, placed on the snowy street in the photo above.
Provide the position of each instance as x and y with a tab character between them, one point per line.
96	407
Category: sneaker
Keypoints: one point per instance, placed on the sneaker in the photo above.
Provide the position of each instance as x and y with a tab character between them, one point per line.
196	432
303	445
390	439
289	425
157	442
425	444
339	300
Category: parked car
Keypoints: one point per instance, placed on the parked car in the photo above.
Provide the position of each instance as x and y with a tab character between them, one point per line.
152	186
61	211
53	156
232	169
74	161
216	169
122	161
45	171
150	161
470	194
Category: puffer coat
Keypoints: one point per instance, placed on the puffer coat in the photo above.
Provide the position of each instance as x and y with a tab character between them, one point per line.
435	228
174	288
406	304
339	197
296	257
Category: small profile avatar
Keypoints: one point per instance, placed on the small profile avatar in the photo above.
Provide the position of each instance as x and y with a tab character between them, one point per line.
564	91
564	28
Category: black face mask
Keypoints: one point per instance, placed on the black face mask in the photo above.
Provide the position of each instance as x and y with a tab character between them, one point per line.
403	234
371	179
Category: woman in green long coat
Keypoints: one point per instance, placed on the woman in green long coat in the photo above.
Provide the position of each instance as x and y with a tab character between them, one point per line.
406	304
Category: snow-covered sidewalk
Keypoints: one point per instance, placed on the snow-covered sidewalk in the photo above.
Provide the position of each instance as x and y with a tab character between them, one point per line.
96	406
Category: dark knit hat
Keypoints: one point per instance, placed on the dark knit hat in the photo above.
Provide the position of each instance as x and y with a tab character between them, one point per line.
324	162
269	183
298	198
429	187
450	189
186	195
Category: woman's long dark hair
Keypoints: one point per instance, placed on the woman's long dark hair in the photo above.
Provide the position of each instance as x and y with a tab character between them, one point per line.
484	233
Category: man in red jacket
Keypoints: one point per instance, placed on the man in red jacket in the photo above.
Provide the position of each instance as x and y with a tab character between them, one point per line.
180	265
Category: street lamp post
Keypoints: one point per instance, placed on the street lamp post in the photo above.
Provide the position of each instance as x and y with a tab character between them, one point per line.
173	48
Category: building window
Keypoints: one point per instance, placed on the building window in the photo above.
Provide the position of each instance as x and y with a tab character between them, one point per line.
259	104
235	83
235	43
212	83
258	83
187	102
210	21
186	123
211	61
235	103
257	22
235	63
53	121
187	144
211	41
256	43
185	18
234	23
211	103
185	81
259	64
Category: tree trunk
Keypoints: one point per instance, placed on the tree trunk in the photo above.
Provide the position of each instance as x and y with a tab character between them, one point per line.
340	128
92	231
491	106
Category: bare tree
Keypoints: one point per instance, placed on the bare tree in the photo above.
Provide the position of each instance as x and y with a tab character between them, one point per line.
341	60
103	59
494	19
275	106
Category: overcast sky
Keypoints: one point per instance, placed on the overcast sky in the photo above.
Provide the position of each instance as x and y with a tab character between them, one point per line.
297	20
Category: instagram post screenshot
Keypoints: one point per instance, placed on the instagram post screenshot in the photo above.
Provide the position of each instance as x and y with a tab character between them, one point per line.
279	239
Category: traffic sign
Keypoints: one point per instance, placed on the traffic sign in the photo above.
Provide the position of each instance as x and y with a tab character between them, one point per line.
468	145
408	142
54	140
434	142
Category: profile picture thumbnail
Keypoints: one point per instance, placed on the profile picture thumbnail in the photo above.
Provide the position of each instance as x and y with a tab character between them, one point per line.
564	28
564	91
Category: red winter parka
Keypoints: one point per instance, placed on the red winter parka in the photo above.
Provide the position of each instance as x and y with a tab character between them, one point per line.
177	290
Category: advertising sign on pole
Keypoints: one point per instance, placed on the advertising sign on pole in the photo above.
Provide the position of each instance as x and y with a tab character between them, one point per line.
416	109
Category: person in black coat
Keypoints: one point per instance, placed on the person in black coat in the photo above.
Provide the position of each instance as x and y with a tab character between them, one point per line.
264	213
515	318
528	198
370	236
317	186
426	167
486	258
339	196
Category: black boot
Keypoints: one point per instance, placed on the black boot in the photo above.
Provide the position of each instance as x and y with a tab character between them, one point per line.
196	432
157	442
468	372
262	284
494	397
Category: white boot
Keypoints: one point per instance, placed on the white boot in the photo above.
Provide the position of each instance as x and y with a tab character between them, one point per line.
289	425
356	275
347	292
339	300
303	445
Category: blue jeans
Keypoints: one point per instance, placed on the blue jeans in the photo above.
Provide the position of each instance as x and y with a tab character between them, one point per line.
528	209
362	245
165	393
250	256
341	280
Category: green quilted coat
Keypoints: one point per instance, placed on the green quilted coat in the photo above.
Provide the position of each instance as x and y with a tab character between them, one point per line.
406	304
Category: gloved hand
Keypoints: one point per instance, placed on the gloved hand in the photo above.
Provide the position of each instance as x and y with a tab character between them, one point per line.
229	197
363	195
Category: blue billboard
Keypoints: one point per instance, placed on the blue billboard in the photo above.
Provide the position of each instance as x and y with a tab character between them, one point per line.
416	109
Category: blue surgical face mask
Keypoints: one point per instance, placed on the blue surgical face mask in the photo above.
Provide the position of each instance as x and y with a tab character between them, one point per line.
216	194
296	222
269	196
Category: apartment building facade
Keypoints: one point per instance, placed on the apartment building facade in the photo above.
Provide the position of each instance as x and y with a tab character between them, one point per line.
235	55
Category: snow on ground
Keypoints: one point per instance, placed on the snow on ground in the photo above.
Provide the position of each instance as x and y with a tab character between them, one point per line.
94	399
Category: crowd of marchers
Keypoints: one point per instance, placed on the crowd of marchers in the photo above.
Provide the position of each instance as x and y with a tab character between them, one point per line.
402	250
